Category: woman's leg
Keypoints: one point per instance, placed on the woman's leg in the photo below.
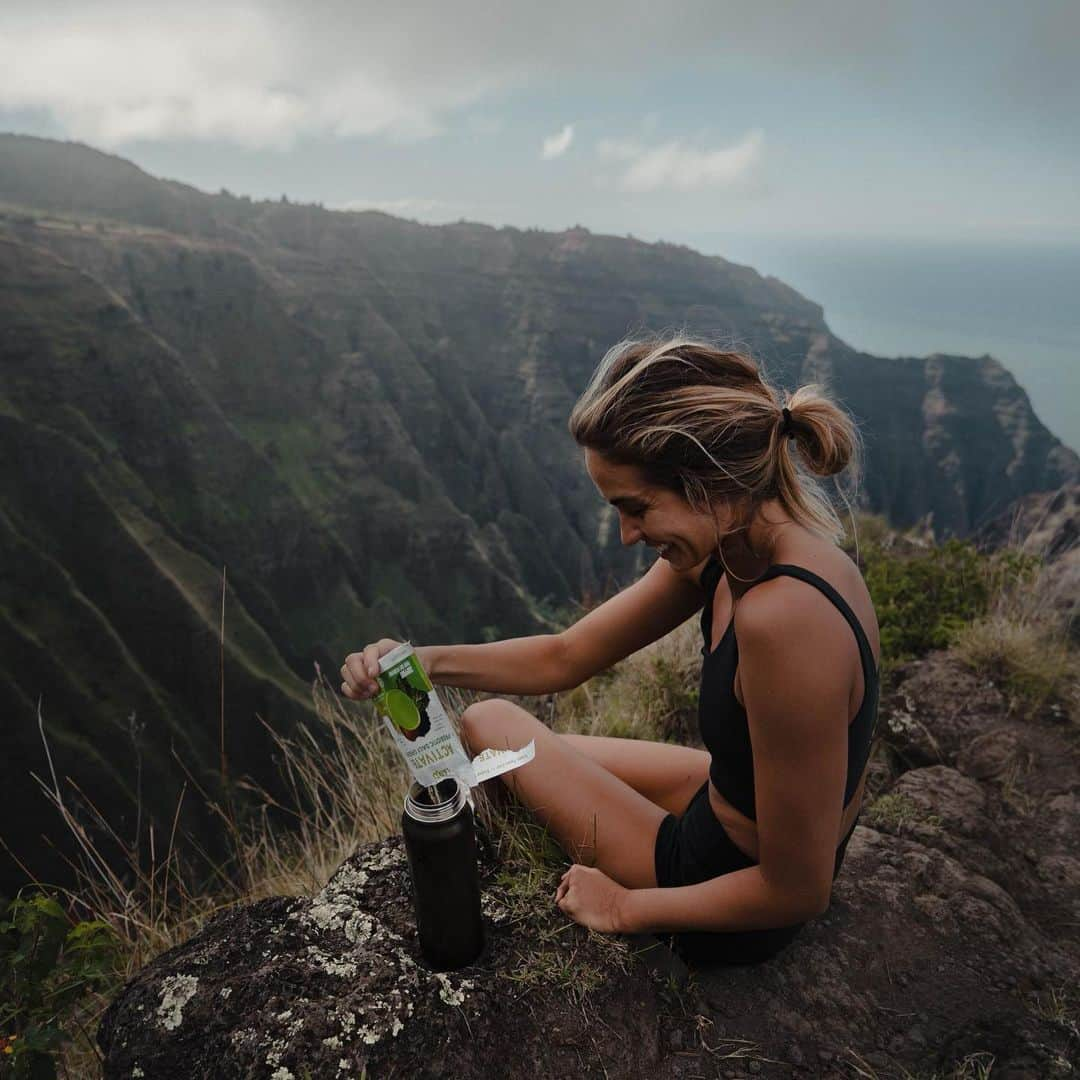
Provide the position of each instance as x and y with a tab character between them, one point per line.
597	818
664	773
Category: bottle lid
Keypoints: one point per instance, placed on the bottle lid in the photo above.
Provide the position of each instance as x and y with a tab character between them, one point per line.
451	797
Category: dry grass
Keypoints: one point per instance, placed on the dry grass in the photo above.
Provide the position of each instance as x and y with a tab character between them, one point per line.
1013	790
1029	656
897	812
1058	1006
345	781
1024	640
649	695
976	1066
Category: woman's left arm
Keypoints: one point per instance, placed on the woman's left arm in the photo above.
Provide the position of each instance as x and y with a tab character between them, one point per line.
796	689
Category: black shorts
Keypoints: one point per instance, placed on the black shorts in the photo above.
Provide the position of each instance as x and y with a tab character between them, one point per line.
695	848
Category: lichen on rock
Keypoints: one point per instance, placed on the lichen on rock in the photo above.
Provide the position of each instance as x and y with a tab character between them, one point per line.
176	992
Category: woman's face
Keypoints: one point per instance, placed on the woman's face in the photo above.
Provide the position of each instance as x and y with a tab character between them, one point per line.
660	518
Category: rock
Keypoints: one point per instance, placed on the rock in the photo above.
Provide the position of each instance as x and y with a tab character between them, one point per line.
937	709
1062	816
946	800
1060	874
943	809
990	755
335	985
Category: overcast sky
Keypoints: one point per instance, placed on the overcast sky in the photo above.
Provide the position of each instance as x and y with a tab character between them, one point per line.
682	120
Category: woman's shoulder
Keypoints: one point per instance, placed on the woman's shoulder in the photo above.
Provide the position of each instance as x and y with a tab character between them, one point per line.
784	611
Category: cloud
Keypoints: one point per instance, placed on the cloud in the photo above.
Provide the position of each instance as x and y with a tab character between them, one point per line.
674	165
271	72
421	209
556	145
243	73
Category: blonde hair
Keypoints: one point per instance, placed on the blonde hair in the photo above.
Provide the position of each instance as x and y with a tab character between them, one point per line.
704	423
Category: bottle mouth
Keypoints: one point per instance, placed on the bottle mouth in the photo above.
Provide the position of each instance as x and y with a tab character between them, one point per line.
450	797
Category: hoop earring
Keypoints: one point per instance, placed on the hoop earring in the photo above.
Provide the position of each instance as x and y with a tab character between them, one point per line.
720	552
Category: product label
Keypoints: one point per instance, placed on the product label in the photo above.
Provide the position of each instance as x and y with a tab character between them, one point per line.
416	719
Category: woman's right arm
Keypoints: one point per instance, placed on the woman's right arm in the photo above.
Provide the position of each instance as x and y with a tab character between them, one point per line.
658	602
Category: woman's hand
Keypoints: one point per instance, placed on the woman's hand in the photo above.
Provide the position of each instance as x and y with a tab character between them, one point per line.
592	899
361	668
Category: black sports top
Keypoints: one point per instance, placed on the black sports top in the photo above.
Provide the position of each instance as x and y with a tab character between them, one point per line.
722	720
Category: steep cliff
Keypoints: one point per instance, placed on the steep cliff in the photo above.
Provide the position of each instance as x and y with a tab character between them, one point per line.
361	422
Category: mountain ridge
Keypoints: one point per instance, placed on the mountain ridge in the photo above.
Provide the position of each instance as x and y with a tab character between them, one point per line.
362	420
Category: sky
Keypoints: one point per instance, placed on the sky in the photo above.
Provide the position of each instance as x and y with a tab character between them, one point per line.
677	121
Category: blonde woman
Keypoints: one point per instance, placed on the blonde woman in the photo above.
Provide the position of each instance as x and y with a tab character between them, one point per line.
729	849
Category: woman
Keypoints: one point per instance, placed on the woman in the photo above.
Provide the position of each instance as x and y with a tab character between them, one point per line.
730	849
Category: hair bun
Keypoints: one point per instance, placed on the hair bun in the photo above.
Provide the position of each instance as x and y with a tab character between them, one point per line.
825	435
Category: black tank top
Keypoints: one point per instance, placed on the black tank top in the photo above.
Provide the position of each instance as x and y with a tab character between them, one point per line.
722	720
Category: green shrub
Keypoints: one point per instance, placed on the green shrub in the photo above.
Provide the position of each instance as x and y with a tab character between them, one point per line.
923	599
47	966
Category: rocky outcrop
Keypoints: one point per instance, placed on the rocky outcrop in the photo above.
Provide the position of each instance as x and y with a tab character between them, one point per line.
334	986
950	947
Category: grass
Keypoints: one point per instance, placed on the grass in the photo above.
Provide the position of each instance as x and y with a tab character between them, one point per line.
897	812
1023	639
559	968
1060	1007
975	1066
531	862
923	598
652	694
345	781
1005	614
1024	648
1016	768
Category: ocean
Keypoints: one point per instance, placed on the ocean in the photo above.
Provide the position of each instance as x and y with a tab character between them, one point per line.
1018	302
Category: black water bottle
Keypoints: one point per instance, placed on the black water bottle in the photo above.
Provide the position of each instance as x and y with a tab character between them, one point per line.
441	847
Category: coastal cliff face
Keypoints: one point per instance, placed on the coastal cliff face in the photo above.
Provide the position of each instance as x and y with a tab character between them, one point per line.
360	423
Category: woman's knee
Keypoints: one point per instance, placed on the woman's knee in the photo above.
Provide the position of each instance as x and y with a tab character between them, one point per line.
480	721
496	723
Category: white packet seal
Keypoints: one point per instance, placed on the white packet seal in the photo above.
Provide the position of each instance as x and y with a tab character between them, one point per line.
491	763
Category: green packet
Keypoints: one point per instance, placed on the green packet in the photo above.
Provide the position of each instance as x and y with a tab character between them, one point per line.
411	709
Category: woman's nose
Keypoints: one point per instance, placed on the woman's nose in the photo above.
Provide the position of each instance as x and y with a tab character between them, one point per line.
628	533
